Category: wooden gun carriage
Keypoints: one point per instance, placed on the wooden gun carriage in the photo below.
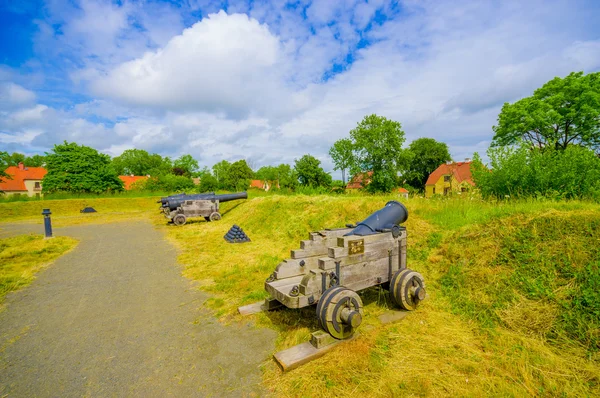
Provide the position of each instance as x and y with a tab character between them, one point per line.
179	208
333	264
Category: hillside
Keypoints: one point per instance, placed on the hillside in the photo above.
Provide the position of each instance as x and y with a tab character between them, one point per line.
513	308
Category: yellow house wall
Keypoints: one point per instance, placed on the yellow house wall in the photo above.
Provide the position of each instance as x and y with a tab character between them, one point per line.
440	185
30	185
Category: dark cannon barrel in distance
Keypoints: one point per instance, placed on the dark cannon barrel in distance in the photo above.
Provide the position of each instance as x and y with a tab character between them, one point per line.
163	201
183	196
393	213
175	203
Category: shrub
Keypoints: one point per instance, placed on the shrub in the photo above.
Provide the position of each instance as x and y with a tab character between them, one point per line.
550	173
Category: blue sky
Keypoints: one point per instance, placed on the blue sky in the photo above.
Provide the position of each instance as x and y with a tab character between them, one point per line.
271	81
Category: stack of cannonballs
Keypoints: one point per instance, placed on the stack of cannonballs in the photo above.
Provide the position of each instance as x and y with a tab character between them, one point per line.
236	235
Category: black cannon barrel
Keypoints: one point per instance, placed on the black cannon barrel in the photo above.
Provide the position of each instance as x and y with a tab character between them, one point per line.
175	203
183	196
393	213
166	199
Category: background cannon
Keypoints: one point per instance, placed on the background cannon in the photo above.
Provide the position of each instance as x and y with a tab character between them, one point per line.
334	264
183	196
178	210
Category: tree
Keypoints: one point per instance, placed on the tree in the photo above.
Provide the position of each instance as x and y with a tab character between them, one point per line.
35	161
310	173
377	144
286	176
341	153
283	175
186	163
562	112
3	166
427	155
140	163
78	168
239	176
220	170
267	173
208	183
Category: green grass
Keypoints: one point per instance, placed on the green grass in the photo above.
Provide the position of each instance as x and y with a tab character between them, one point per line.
512	285
21	257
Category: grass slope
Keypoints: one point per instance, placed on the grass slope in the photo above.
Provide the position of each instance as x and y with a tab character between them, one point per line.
21	257
513	296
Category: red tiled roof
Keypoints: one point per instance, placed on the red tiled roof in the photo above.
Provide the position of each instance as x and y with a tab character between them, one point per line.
357	181
129	180
460	170
19	174
402	190
256	184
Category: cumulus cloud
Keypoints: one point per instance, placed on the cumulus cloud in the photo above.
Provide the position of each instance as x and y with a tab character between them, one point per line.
12	95
225	63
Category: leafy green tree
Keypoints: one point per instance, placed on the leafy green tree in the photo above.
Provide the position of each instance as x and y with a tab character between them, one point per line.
208	183
220	171
562	112
186	163
310	173
78	168
343	158
15	158
267	173
427	155
239	176
35	161
286	176
377	144
140	163
169	183
3	166
283	175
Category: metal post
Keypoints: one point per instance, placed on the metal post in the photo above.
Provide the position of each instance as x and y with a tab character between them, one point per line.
47	223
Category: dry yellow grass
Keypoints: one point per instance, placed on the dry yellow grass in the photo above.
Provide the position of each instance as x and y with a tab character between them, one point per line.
67	211
21	257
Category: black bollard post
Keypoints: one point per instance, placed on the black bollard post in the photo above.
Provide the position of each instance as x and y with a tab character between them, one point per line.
47	223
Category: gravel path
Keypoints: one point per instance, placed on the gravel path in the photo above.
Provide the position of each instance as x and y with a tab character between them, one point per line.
114	317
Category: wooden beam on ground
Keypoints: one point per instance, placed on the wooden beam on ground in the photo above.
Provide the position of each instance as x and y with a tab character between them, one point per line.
303	353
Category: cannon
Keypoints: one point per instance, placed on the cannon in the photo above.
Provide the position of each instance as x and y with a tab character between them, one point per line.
165	201
334	264
206	205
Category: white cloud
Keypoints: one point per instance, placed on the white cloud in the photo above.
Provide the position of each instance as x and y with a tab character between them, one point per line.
12	95
225	63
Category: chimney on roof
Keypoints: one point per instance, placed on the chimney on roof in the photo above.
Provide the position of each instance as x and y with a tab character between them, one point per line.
448	162
21	166
467	159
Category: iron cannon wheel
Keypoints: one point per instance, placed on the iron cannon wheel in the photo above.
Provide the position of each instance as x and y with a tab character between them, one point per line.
216	216
340	312
407	289
179	219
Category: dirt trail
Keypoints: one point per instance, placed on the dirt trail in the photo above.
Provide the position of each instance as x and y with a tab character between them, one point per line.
114	317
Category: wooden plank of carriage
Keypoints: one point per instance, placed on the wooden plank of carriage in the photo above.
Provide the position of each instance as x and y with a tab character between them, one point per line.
321	343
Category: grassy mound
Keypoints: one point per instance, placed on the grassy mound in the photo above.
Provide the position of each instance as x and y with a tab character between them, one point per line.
512	308
537	275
